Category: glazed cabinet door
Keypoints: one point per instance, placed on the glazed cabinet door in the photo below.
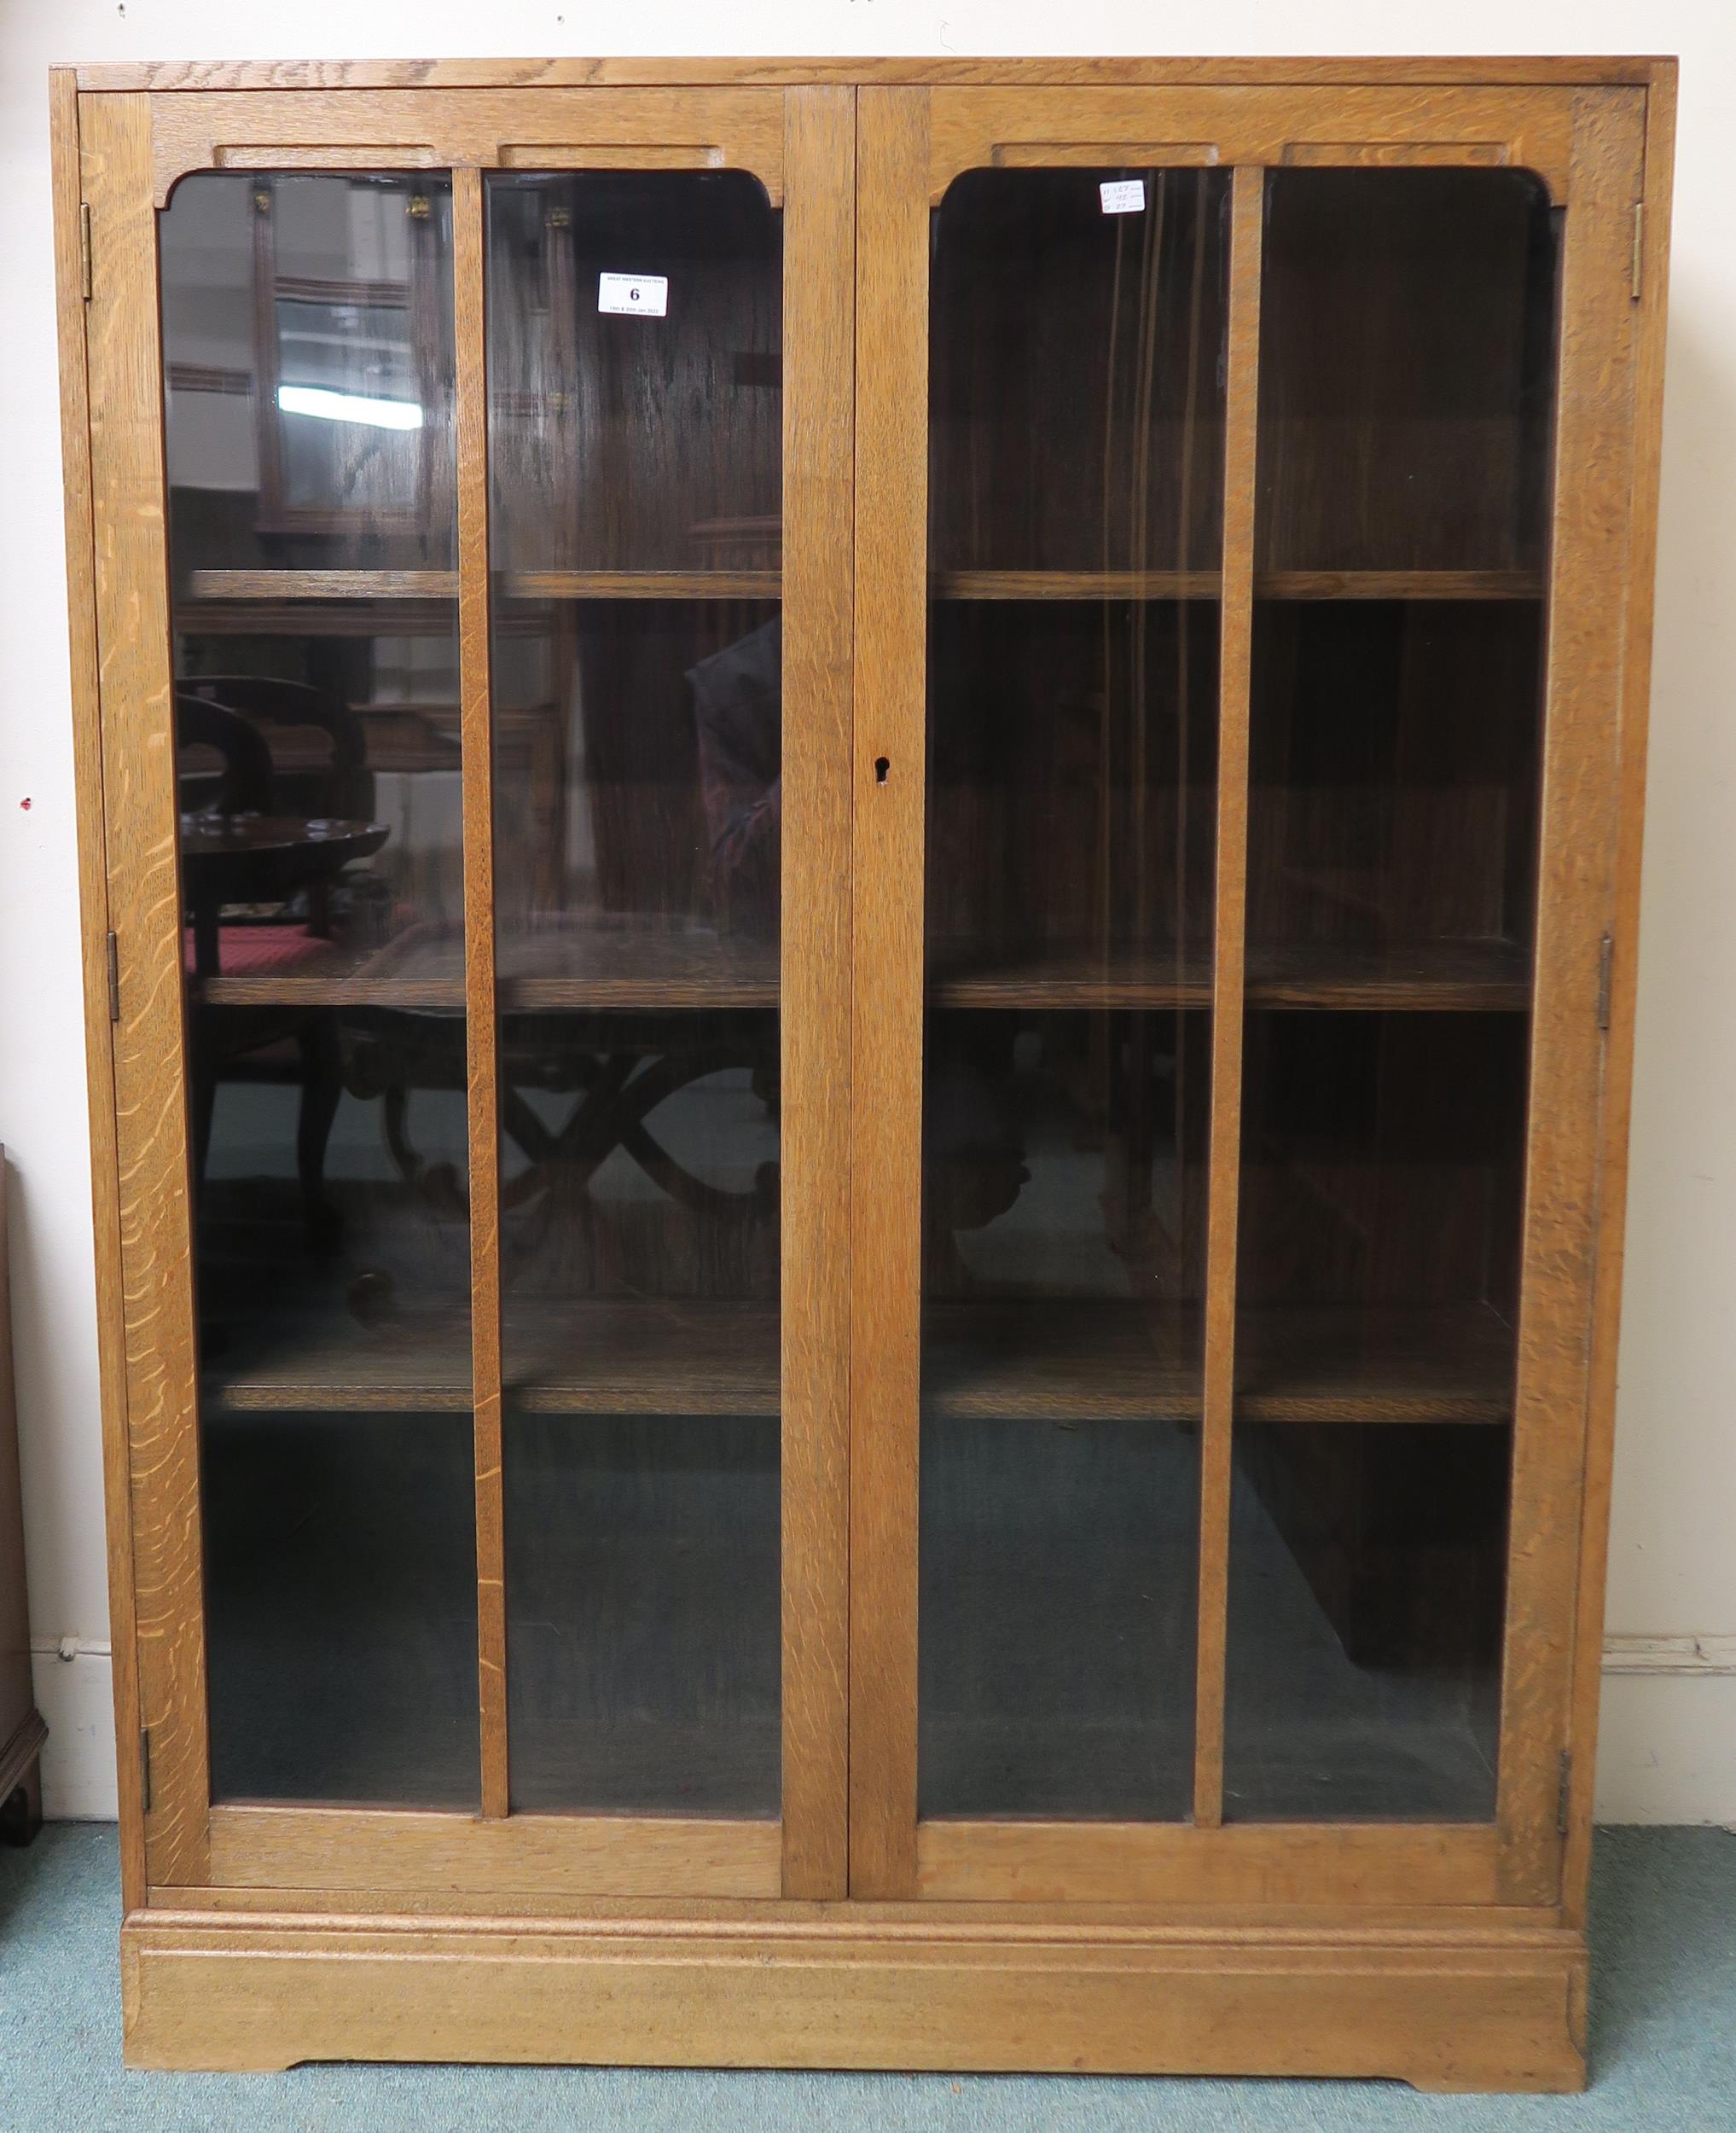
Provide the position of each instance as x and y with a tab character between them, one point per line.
472	502
1240	532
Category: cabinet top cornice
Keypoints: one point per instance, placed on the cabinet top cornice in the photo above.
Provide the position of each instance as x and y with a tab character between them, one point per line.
159	76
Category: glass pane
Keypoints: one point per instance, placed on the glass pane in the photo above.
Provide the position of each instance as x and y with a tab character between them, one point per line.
1076	458
1407	380
636	469
1365	1621
307	356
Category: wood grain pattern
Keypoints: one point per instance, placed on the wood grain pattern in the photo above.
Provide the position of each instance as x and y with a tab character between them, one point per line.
1618	1048
1306	1983
141	806
606	1357
656	584
1443	2014
1397	1925
891	308
1254	126
323	585
1093	1361
93	917
1429	976
1444	1363
580	963
187	76
1224	1181
518	585
412	129
602	1855
1012	1861
482	1021
1594	459
819	392
1206	585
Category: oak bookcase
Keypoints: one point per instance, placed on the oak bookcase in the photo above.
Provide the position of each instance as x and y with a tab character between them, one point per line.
860	846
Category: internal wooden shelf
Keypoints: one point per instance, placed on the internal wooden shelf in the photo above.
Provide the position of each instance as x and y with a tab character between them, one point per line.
1074	584
1072	1362
321	585
1268	584
325	585
1114	1361
1428	976
570	966
627	966
644	584
1477	975
591	1358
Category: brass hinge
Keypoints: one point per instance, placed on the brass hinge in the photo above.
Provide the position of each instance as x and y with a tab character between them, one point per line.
145	1769
85	248
1565	1793
1639	249
1605	962
114	978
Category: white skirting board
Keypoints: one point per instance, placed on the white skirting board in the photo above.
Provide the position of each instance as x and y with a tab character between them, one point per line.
1667	1751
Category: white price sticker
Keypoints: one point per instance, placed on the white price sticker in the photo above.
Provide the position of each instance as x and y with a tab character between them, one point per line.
1122	195
641	295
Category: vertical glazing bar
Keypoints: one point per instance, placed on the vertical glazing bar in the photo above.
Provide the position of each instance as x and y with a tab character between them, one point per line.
892	509
1242	418
477	772
819	389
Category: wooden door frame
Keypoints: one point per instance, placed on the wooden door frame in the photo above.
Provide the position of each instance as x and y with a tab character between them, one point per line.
1587	143
1654	80
117	157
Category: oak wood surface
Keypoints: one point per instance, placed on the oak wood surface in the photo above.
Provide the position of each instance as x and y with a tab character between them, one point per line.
891	303
265	1993
1178	1863
817	1031
1060	1362
1207	584
385	129
1596	147
481	1020
599	1855
93	917
1256	125
141	809
1230	922
1618	1048
574	965
1348	71
1581	790
946	584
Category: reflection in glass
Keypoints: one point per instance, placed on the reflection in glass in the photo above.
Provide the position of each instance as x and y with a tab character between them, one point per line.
1408	333
637	665
1407	362
307	325
1076	477
1367	1580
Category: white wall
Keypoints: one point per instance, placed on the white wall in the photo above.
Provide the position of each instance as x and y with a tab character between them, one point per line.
1669	1737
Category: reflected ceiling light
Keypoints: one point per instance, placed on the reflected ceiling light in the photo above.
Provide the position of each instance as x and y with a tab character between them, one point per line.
348	407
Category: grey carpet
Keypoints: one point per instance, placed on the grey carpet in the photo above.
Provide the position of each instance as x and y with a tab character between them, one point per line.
1664	2044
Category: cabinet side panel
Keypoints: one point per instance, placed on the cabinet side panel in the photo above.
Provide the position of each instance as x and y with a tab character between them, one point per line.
1618	1055
93	893
138	773
1575	888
